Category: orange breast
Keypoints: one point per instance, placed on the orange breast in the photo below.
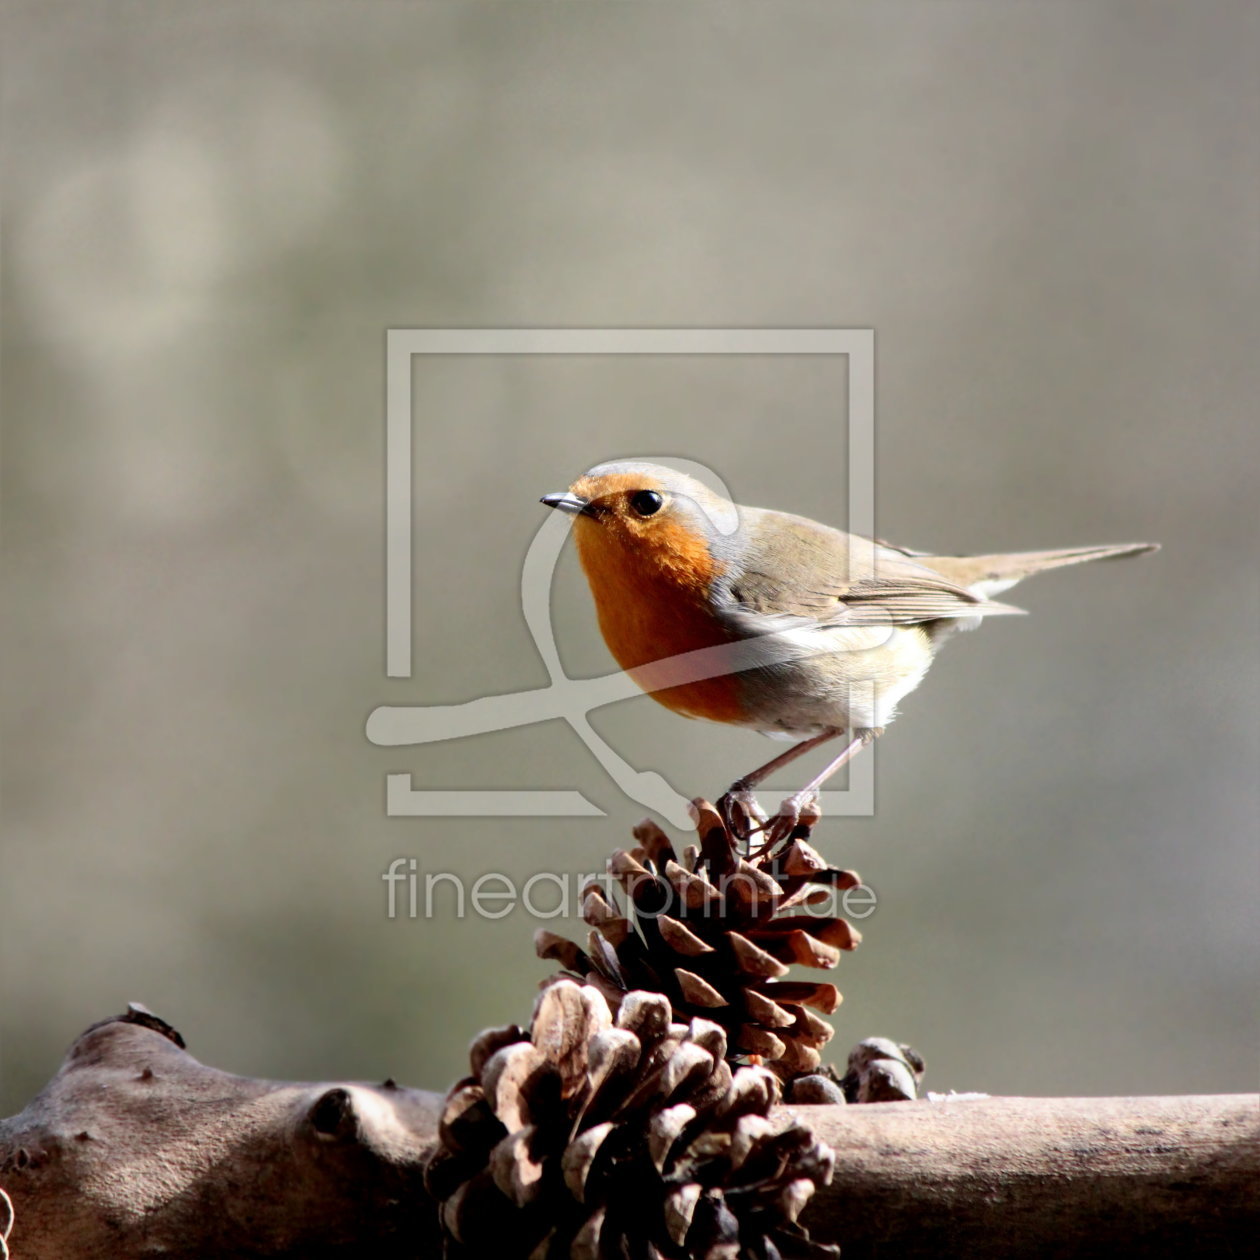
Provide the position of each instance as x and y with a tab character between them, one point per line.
652	604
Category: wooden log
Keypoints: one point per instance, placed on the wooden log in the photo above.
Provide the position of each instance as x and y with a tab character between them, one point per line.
135	1148
1072	1177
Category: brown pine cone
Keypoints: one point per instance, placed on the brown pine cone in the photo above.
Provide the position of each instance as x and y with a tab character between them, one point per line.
881	1070
600	1137
717	933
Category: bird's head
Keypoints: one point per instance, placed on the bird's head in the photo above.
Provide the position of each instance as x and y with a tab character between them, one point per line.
635	519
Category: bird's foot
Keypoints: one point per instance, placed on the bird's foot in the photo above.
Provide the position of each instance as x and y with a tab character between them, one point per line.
796	818
741	812
744	818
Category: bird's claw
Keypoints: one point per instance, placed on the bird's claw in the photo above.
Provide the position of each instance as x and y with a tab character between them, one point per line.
744	818
796	817
742	813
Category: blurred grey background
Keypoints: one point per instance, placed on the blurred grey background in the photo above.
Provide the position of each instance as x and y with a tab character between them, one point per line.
212	214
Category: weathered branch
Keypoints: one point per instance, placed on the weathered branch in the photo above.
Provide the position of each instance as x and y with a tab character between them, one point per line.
1072	1177
135	1148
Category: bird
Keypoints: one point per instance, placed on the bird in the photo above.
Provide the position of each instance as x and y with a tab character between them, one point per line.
772	621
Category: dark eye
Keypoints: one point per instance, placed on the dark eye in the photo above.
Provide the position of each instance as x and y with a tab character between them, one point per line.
646	502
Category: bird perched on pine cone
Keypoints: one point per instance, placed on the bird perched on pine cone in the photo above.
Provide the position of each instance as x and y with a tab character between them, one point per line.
831	631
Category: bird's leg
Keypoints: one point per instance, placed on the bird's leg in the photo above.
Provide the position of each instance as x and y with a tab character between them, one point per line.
738	806
789	816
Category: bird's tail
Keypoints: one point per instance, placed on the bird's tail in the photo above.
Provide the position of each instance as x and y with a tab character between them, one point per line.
990	575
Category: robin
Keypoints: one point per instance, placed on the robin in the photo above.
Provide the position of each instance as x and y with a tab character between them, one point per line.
834	630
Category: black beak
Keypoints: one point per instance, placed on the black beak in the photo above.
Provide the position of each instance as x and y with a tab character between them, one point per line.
566	502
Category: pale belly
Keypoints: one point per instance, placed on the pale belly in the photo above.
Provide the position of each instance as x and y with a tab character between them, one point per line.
851	679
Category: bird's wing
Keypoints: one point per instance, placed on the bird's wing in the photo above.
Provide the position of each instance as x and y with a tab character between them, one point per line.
796	570
905	551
